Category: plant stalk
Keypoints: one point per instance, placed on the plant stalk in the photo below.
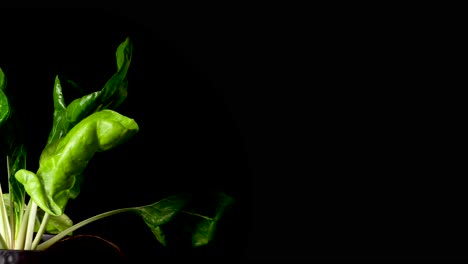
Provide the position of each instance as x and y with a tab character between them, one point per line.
4	222
41	231
22	230
31	224
12	208
56	238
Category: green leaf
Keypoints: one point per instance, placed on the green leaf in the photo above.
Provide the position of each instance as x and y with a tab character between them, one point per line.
17	193
10	132
58	171
205	229
110	96
162	212
159	234
198	222
11	148
2	80
4	106
56	224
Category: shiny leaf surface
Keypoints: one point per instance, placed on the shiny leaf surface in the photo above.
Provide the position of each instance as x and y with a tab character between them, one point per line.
50	188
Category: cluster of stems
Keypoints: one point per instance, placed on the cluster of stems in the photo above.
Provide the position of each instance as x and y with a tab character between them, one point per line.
19	234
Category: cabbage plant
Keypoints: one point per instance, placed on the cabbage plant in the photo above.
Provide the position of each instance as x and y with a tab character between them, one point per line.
35	203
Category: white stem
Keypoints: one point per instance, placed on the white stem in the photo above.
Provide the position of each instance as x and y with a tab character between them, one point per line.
41	230
22	230
12	208
4	223
31	224
56	238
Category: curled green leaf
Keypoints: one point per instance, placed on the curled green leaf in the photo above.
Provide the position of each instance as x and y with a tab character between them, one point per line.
110	96
50	188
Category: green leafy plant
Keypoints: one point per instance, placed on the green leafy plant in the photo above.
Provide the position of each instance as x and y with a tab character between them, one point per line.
35	202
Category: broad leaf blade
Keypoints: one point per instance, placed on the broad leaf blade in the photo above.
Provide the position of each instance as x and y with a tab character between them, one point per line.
187	224
57	174
162	212
110	96
205	228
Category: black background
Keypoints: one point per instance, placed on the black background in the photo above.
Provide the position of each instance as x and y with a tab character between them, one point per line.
337	128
